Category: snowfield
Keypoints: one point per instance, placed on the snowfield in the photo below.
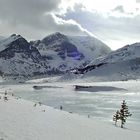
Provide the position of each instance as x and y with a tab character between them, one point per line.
100	102
20	120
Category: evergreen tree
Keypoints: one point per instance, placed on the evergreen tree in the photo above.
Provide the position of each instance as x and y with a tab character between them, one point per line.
116	117
124	113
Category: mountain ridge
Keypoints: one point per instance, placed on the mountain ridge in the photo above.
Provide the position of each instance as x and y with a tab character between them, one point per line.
122	64
54	54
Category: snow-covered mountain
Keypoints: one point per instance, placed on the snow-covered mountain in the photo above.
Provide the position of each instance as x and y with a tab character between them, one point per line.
68	52
54	54
122	64
18	58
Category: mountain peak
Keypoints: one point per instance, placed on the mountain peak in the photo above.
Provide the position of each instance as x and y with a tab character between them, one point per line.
14	36
6	41
54	37
58	34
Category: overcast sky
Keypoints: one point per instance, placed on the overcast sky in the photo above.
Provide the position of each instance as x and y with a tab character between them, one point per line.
115	22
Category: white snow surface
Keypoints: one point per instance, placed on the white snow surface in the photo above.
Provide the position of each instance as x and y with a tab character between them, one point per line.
128	52
122	64
2	37
91	47
19	119
19	65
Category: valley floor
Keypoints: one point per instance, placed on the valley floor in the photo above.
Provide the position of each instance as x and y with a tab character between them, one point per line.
22	120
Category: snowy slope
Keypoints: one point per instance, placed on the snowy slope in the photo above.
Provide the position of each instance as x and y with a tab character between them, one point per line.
91	47
122	64
2	37
5	41
68	52
20	120
128	52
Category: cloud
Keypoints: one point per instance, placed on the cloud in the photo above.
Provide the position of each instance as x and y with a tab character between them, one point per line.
114	31
114	22
69	26
28	7
37	17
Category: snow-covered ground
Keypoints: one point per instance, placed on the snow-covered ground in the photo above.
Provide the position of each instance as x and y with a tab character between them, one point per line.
100	103
20	120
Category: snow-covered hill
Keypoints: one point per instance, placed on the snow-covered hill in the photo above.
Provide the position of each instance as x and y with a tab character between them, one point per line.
122	64
68	52
22	120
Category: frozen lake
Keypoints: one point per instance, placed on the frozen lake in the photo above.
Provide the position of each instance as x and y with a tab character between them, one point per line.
100	102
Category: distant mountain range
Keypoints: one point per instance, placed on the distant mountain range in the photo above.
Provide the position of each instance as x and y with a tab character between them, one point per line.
59	54
55	54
